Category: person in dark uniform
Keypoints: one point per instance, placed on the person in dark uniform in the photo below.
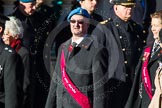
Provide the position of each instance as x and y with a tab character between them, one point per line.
143	87
81	69
12	36
128	36
36	29
11	74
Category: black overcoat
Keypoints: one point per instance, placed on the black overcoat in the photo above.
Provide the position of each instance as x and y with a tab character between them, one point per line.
87	69
138	97
127	36
24	54
36	29
11	78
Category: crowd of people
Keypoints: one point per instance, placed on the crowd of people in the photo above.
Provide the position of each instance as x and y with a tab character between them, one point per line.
101	62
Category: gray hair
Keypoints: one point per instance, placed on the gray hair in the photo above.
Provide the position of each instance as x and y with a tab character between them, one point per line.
14	26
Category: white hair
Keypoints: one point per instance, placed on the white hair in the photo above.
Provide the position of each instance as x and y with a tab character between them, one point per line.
14	26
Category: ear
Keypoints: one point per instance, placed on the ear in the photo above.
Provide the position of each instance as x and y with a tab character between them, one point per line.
80	2
115	8
1	29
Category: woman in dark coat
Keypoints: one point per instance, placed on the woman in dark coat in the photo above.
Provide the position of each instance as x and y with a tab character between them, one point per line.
12	37
143	87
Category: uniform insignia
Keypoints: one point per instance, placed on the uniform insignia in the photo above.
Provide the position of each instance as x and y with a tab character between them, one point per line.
6	48
146	55
9	50
104	22
1	69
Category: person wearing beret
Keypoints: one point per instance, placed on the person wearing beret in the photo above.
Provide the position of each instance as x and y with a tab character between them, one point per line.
11	74
128	35
90	6
63	27
36	28
143	87
79	79
12	36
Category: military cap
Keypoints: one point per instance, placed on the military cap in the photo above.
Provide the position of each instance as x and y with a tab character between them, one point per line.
123	2
27	1
78	11
3	19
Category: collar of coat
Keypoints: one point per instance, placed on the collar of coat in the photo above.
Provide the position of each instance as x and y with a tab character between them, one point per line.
85	43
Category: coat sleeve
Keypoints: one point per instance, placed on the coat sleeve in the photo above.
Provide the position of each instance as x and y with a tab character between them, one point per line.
100	77
51	99
26	84
98	34
13	81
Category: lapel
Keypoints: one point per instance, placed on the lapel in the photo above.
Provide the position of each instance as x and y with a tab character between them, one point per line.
65	48
86	42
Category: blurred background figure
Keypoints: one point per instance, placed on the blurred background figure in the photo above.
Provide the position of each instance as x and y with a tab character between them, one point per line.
36	29
12	36
143	86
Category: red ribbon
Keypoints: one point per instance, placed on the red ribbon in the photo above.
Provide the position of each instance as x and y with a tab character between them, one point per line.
145	73
79	97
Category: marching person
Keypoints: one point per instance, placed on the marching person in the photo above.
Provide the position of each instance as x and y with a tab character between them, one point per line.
11	74
81	69
143	86
36	29
129	38
13	34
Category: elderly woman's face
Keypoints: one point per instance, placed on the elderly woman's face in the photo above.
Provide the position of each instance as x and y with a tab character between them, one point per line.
156	25
8	38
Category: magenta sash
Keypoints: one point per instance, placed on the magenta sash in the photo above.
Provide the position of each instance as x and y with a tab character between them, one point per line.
145	73
79	97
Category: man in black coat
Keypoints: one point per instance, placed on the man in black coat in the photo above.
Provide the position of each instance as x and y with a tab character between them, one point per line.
80	75
129	37
36	29
11	74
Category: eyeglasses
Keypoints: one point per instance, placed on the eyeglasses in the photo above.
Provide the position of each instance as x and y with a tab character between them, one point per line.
78	21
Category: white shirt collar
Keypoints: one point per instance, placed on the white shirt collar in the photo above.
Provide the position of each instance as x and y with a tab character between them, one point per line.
78	41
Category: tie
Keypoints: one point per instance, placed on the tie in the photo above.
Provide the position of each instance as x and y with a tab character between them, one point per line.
155	48
71	49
